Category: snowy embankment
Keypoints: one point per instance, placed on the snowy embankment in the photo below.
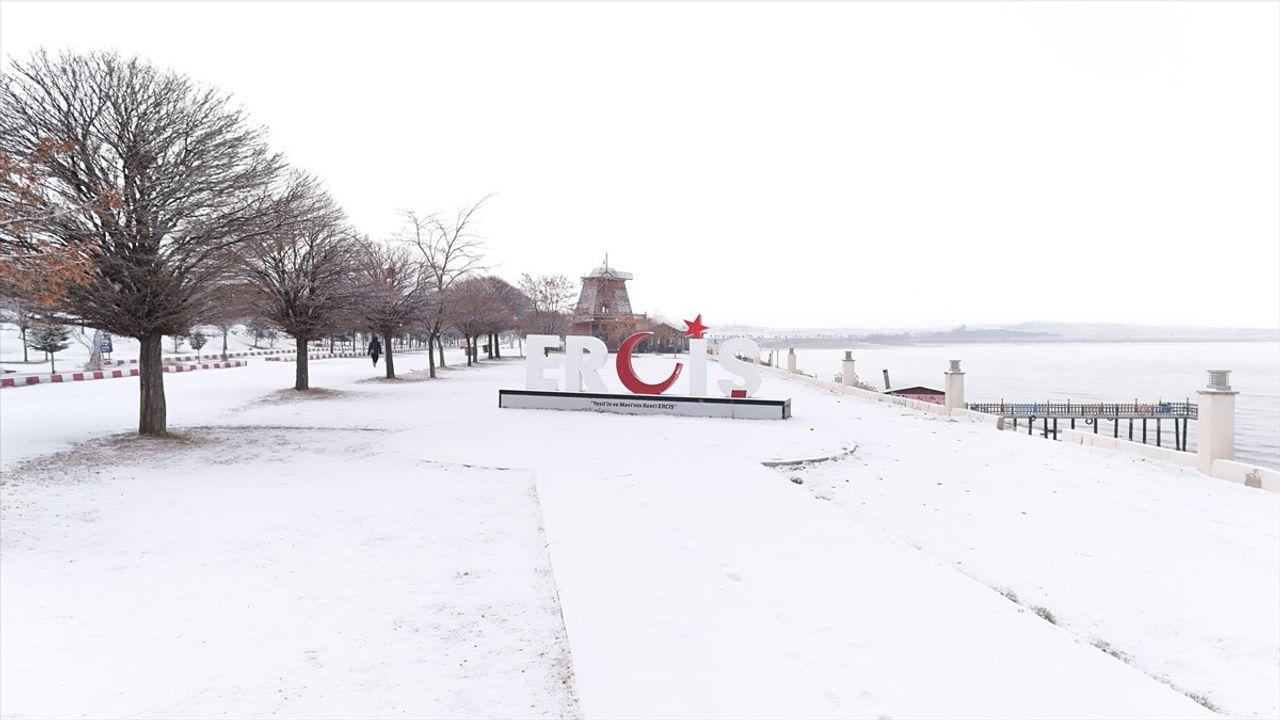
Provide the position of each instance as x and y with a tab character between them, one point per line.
306	539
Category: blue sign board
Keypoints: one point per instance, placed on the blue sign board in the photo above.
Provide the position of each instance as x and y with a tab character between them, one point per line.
104	345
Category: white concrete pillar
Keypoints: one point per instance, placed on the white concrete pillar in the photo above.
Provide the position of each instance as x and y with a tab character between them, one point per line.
846	369
953	385
791	360
1216	424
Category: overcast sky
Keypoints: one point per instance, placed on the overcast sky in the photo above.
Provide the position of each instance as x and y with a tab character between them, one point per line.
831	164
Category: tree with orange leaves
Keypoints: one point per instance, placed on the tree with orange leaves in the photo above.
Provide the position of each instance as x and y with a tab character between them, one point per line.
151	180
32	267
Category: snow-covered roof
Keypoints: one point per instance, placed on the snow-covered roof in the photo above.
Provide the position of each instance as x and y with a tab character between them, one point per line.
915	389
608	272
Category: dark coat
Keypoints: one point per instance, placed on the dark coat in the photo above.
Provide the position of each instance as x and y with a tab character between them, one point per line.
375	347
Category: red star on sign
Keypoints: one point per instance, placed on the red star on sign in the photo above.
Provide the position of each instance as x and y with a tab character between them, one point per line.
694	328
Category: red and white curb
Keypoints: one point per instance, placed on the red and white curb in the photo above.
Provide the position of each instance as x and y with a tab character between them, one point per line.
202	358
205	366
322	356
216	354
290	357
107	374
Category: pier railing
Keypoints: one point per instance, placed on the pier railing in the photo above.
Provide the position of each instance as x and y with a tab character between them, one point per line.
1181	413
1038	410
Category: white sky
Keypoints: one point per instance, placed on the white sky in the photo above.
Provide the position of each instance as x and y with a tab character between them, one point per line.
797	165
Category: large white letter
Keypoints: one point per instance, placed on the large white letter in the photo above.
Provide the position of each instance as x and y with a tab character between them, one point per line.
698	367
536	362
750	374
580	368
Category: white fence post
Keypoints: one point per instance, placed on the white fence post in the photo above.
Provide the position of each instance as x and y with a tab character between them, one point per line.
1216	431
953	385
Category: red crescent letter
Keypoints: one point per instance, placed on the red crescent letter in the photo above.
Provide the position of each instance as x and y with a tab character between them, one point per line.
628	375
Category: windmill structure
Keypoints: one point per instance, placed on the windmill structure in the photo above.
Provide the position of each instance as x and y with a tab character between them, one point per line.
604	307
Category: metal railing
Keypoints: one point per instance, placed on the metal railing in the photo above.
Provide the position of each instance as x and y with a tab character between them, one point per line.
1040	410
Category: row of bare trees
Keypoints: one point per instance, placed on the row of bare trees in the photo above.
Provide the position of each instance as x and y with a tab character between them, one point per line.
157	205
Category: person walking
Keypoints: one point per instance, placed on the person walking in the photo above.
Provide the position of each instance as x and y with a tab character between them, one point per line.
375	349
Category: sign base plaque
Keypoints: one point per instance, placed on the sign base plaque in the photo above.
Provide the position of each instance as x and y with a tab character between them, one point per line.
748	408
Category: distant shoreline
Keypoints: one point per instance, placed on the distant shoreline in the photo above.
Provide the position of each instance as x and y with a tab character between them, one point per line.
836	343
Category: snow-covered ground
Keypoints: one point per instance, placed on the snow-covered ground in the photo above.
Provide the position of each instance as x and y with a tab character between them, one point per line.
407	548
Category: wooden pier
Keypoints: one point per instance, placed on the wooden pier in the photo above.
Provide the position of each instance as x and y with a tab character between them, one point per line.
1181	413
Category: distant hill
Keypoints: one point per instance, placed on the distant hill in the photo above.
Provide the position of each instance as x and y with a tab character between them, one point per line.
1120	332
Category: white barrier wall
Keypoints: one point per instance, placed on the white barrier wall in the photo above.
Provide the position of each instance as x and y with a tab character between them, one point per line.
1224	469
1250	475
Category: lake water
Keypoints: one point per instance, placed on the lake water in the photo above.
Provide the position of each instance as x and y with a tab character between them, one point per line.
1088	372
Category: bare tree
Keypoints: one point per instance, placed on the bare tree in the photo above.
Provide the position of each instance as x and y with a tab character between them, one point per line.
22	313
260	328
192	176
451	251
303	279
508	309
228	308
395	294
467	313
483	306
547	300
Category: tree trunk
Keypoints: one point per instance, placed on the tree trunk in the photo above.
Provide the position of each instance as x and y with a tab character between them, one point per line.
431	354
440	347
224	344
497	349
151	410
52	369
470	346
301	378
24	345
391	365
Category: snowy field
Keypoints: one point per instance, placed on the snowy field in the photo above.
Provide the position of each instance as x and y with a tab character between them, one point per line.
407	549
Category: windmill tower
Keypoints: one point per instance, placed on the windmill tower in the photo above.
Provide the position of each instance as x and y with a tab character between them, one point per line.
604	308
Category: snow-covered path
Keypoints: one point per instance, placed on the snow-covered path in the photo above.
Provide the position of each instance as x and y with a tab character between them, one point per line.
693	580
